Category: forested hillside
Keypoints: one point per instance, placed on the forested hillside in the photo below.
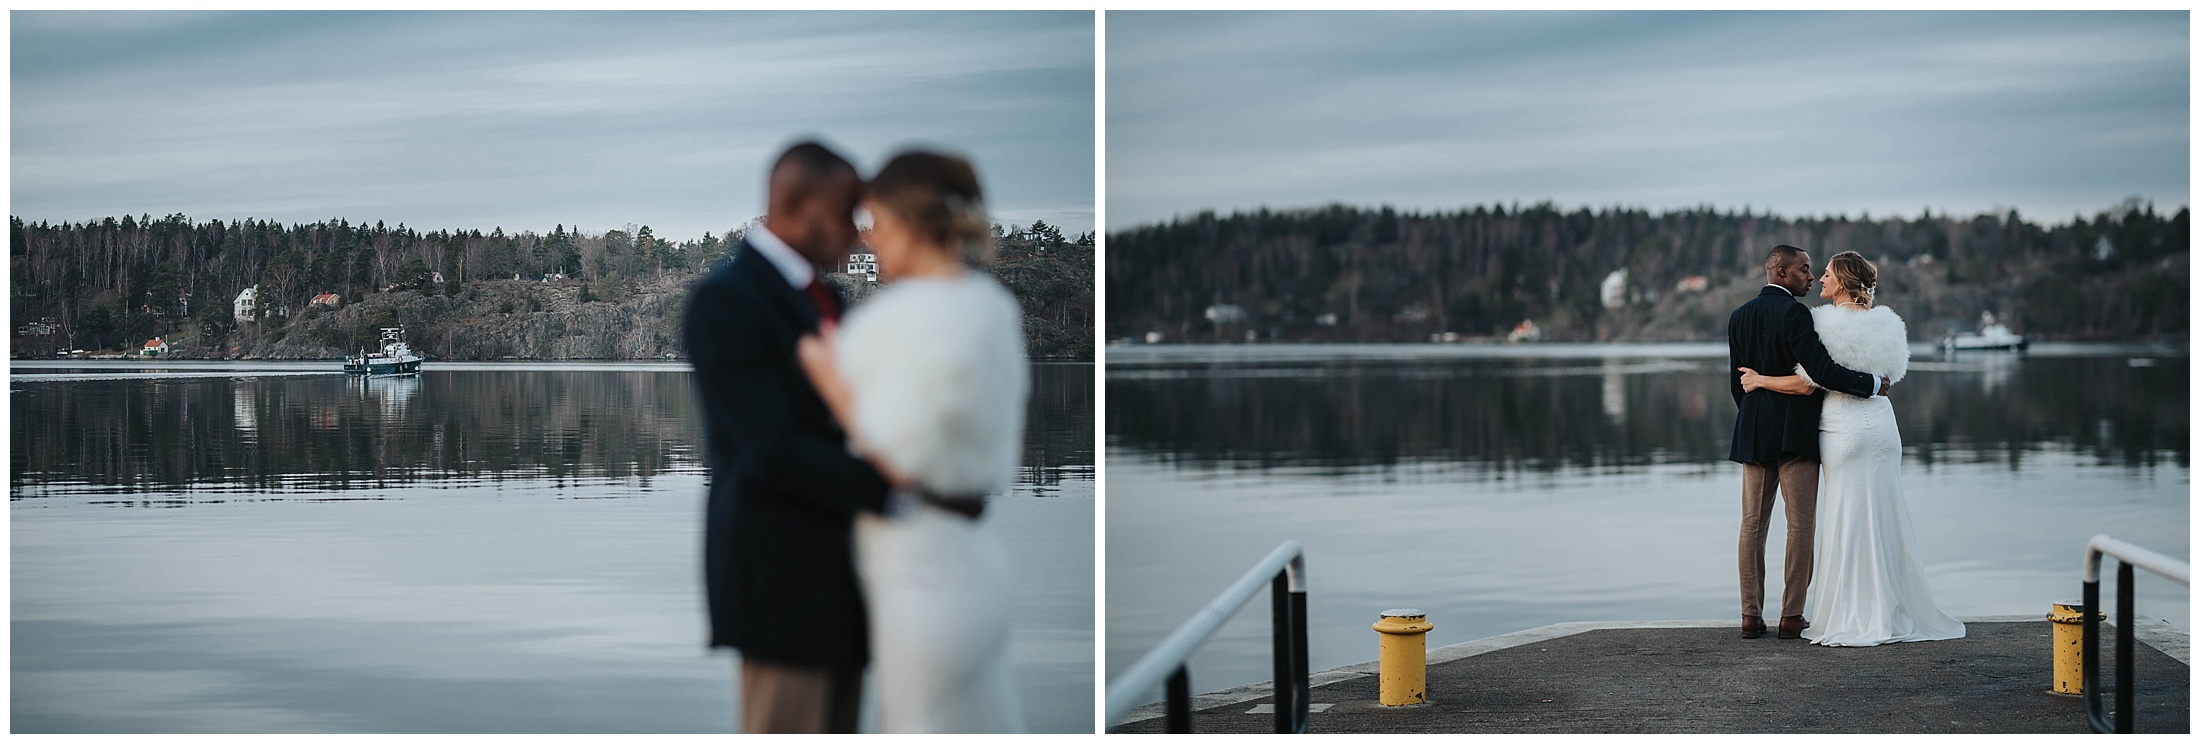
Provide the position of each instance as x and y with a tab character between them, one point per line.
1343	273
115	283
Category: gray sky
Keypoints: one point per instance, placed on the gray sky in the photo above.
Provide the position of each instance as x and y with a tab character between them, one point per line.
1804	113
525	120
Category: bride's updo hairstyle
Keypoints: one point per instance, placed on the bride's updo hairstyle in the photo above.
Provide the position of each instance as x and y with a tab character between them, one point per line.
1857	276
939	196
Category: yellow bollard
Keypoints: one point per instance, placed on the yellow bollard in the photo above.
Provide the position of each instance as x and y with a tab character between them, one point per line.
2069	620
1403	661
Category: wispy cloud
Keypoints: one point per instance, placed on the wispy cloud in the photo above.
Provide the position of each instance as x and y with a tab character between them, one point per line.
526	119
1805	113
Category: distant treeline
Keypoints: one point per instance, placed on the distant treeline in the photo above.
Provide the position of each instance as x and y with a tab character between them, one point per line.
1343	273
114	283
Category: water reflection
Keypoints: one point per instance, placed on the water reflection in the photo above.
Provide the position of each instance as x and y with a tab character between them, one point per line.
1058	429
270	434
1615	392
1541	414
392	392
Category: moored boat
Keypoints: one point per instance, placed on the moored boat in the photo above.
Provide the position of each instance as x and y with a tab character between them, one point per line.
395	358
1991	335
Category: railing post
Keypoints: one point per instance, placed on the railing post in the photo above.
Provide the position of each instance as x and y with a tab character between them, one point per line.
2095	711
1299	663
1279	603
1180	701
2124	679
2089	660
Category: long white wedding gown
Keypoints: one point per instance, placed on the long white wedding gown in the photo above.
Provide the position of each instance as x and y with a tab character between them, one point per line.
937	371
1867	589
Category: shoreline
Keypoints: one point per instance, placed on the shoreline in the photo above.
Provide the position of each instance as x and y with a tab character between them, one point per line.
1141	354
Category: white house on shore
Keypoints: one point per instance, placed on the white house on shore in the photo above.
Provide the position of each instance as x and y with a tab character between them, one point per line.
155	347
862	264
1614	290
246	307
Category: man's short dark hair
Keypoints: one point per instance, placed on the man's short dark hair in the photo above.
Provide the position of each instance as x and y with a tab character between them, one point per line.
813	158
1780	256
803	166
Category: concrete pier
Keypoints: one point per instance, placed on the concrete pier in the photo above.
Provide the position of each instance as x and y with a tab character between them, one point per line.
1703	677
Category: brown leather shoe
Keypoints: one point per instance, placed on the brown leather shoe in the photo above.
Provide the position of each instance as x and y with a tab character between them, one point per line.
1792	626
1753	626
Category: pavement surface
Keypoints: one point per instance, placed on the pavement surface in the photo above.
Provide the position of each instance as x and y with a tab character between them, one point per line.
1710	680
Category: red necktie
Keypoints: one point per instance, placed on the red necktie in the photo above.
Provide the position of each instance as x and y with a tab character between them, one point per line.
824	300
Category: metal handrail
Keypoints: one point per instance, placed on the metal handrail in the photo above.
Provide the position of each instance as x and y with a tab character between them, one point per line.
2127	555
1284	570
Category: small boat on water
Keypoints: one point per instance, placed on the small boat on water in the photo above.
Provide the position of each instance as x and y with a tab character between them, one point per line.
1991	335
395	358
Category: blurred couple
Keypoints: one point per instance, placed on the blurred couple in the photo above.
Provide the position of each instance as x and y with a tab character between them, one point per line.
852	452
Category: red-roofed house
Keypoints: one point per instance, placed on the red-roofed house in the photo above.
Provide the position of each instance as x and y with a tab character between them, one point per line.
155	347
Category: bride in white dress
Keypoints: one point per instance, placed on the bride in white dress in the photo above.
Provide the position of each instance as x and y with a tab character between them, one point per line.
1868	589
929	378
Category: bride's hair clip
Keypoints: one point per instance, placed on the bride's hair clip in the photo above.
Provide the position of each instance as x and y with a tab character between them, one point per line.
1870	292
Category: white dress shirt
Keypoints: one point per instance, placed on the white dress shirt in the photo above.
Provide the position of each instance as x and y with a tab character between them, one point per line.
790	264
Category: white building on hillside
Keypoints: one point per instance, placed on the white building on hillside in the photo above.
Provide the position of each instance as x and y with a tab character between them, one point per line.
862	264
1614	290
246	308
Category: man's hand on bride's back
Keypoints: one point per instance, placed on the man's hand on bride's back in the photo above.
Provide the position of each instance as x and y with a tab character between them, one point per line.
1885	385
1751	381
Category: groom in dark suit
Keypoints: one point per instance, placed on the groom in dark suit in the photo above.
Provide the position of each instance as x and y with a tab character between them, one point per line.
784	490
1776	435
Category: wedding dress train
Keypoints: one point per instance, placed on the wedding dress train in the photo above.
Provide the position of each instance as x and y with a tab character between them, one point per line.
1868	588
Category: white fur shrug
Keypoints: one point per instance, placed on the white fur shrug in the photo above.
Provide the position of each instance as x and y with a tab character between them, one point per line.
939	379
1874	341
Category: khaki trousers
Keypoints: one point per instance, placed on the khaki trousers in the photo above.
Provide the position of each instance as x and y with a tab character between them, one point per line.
792	699
1798	477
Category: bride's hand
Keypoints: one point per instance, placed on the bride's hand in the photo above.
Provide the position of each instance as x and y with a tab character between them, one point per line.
815	352
1751	381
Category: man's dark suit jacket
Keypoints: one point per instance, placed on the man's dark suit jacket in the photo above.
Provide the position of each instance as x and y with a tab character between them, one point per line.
1771	334
784	490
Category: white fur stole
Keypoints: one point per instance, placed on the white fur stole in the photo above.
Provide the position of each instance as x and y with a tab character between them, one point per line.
1873	341
939	377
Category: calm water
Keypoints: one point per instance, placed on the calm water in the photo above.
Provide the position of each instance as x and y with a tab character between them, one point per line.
484	548
1505	488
